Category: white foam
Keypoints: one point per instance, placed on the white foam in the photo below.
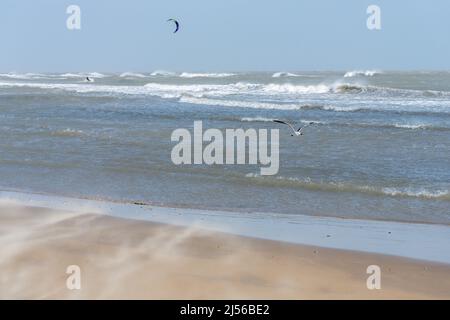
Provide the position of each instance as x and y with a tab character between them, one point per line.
205	75
240	104
307	183
294	89
132	75
414	193
83	75
255	95
256	119
411	126
68	133
259	105
284	74
162	73
96	75
196	90
25	76
366	73
342	109
71	75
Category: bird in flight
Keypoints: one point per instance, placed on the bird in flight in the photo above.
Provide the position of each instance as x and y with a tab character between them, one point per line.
299	131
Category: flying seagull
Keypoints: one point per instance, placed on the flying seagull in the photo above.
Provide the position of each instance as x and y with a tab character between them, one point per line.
299	131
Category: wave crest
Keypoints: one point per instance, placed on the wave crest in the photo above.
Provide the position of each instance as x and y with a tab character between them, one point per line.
84	75
205	75
366	73
307	183
68	133
284	75
132	75
239	103
256	119
162	73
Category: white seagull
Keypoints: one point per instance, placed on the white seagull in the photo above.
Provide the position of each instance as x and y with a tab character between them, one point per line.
299	131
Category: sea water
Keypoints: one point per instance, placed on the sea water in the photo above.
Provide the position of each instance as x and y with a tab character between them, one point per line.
379	146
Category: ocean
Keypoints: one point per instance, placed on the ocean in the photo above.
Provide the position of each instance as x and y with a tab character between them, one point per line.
378	149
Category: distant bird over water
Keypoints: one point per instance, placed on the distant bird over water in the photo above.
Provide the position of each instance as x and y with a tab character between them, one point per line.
298	132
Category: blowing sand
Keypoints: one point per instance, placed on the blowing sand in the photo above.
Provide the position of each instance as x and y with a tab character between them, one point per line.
126	259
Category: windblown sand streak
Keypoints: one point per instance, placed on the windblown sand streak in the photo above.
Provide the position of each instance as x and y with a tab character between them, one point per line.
135	259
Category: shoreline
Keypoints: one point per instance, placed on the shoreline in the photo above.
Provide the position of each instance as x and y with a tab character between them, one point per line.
157	204
423	242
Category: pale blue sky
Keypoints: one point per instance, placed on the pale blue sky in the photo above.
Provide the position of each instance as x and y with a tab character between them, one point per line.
223	35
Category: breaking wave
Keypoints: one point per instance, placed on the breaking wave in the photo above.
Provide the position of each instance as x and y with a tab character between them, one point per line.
367	73
423	193
345	187
210	89
267	96
411	126
220	90
30	76
132	75
240	104
162	73
284	75
256	119
25	76
263	119
405	126
68	133
350	88
84	75
295	89
265	105
206	75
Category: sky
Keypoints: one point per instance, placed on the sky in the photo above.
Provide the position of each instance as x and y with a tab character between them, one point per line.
223	35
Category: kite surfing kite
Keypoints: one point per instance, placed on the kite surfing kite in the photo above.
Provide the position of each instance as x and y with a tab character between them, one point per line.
177	25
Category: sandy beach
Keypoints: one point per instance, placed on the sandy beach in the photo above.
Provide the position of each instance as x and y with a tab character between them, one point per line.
121	258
